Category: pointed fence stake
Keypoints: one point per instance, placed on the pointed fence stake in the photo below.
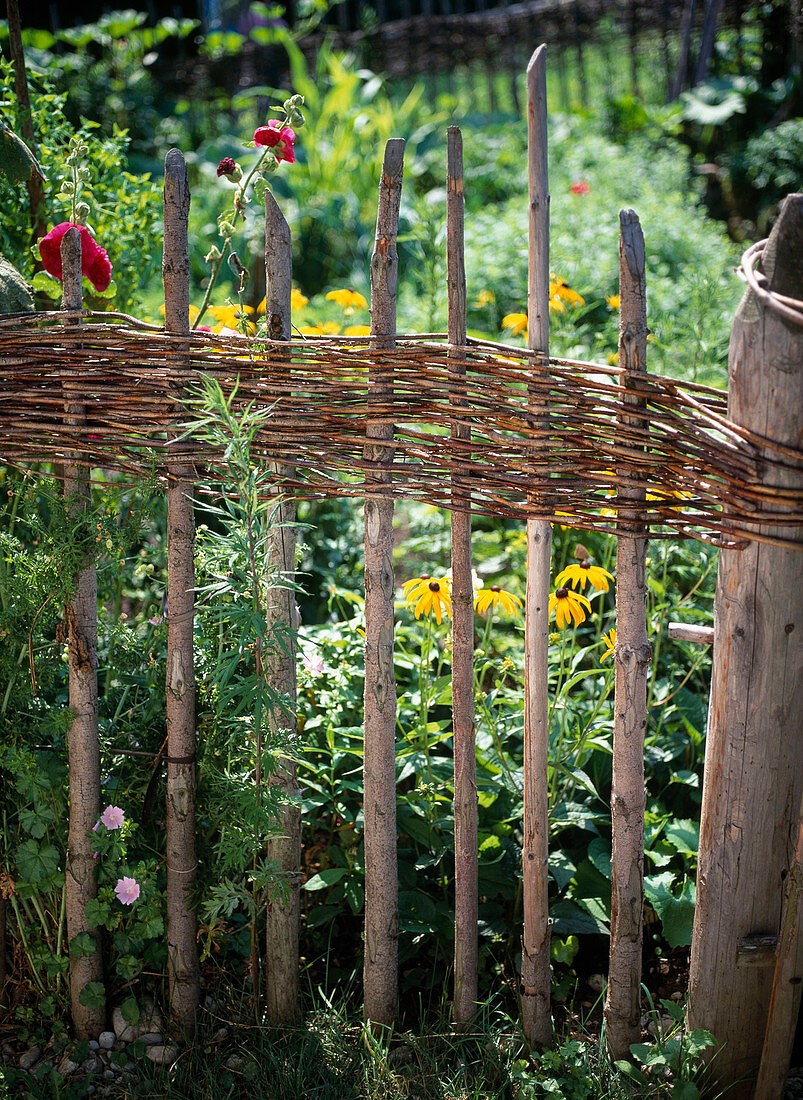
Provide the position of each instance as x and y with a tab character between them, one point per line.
282	921
380	972
83	749
535	972
465	753
182	949
632	658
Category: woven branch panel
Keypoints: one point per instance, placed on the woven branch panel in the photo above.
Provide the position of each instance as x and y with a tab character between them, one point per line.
698	470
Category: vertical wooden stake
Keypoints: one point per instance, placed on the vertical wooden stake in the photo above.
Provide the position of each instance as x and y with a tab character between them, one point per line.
83	749
465	754
753	779
182	950
282	923
535	972
379	785
632	657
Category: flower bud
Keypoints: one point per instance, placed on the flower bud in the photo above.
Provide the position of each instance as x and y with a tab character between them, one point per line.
225	228
230	169
212	255
82	211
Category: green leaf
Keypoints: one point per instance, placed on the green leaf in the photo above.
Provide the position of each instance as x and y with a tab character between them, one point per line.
37	862
684	836
17	162
130	1010
326	878
93	995
97	912
599	852
82	946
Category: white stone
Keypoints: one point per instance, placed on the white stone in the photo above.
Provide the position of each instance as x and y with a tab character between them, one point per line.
67	1066
30	1057
123	1030
106	1040
162	1055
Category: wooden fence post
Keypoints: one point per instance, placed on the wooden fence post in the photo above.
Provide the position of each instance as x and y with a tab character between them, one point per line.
535	969
465	752
753	778
181	860
282	920
83	749
380	973
632	658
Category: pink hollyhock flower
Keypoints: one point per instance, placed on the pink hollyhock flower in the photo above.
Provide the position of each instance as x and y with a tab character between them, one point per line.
113	817
127	890
95	263
279	138
580	187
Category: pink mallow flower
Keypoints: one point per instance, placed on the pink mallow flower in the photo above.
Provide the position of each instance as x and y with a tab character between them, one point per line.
313	662
95	263
580	187
113	817
278	138
127	890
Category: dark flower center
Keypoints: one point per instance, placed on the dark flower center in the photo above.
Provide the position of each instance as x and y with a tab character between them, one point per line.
495	588
585	564
561	593
434	586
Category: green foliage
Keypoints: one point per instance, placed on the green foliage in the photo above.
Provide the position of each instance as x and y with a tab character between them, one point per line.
125	209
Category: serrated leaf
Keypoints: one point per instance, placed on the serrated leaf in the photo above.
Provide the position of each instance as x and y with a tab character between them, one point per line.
130	1010
17	162
93	995
82	946
97	912
37	862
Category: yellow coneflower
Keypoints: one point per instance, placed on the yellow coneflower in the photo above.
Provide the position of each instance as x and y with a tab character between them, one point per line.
568	606
329	328
297	299
516	322
494	597
609	641
484	298
613	301
347	299
357	330
426	594
613	358
561	294
581	572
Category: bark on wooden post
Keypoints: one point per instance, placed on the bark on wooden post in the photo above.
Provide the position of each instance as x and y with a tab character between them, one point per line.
782	1018
34	182
182	950
753	778
535	972
465	753
83	750
632	658
380	972
282	920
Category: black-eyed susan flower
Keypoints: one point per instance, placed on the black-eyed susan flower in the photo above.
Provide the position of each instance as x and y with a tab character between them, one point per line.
484	298
609	641
347	299
580	573
561	295
613	300
568	606
425	595
516	322
495	597
297	299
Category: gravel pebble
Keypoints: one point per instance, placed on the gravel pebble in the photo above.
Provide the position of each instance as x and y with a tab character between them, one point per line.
67	1066
151	1039
162	1055
106	1040
29	1059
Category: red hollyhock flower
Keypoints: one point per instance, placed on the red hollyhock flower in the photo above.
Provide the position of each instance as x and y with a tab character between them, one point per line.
580	187
279	138
95	263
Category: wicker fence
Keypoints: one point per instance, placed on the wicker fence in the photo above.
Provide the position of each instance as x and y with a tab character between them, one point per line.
468	425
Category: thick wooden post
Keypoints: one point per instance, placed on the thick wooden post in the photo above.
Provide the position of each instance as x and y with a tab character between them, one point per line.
535	971
83	749
754	764
632	658
182	950
380	972
282	921
465	753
